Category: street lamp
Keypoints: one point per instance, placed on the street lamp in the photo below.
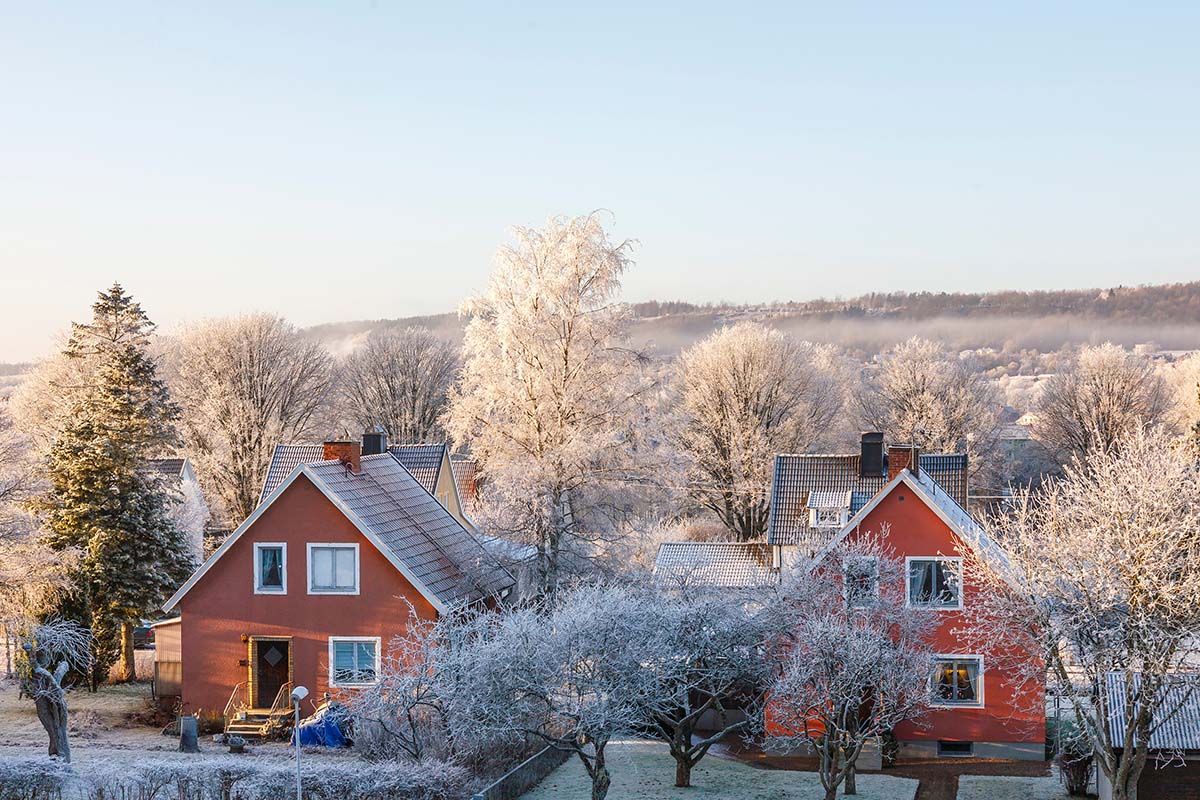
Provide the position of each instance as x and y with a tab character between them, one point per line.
298	694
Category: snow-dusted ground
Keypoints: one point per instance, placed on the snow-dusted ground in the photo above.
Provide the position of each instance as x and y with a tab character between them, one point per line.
996	787
645	771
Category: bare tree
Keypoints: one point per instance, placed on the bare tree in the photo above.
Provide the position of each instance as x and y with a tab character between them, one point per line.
855	663
54	648
400	380
1101	574
1101	397
246	384
921	394
747	393
548	398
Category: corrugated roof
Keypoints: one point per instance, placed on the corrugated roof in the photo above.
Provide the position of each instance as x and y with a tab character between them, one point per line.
424	461
416	528
166	467
1180	730
285	459
797	477
734	565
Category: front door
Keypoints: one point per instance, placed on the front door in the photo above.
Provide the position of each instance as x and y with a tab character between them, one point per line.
272	669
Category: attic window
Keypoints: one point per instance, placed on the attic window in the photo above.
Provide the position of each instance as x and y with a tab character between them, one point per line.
333	569
826	517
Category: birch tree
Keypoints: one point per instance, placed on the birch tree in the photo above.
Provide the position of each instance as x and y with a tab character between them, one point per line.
244	385
549	396
1102	396
856	661
920	393
1101	582
400	380
747	393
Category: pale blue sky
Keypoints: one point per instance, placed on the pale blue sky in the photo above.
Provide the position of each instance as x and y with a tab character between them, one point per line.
359	159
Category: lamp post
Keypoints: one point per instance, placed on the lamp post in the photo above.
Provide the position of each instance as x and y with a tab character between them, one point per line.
298	694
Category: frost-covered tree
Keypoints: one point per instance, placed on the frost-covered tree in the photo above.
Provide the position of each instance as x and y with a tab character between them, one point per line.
746	393
244	385
922	394
400	380
99	501
856	660
43	403
1102	396
548	399
1101	577
53	648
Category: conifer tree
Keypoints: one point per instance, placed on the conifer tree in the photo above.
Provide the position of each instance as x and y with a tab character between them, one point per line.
99	501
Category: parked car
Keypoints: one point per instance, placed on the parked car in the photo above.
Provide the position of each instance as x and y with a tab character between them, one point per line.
143	638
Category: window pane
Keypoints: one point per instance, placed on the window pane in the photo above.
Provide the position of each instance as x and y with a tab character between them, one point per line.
343	661
345	568
966	674
270	563
920	582
366	661
947	583
322	568
945	682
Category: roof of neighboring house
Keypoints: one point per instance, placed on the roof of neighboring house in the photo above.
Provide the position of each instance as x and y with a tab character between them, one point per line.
404	521
1181	729
166	467
465	471
424	461
798	478
285	459
735	565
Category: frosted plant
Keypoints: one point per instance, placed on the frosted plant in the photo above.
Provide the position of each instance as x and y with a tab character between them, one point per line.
52	649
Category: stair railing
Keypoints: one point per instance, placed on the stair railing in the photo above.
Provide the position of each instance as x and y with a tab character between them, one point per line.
236	703
283	700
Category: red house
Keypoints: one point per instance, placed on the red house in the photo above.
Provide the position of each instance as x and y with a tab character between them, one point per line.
312	586
975	712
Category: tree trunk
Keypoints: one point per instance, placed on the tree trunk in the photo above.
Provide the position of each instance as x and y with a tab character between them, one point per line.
851	785
683	772
125	665
600	777
53	716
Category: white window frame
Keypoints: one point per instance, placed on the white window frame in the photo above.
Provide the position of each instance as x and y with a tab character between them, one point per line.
258	547
845	573
908	583
378	660
309	566
979	680
815	513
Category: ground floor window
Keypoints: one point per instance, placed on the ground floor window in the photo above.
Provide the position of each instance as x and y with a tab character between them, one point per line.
353	660
956	748
958	681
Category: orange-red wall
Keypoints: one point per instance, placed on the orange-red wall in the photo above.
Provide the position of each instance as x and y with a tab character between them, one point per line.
222	606
916	530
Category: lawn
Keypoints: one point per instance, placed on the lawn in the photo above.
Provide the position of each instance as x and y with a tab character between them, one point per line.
998	787
645	771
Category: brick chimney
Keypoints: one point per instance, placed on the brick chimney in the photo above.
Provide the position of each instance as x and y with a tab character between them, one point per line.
901	457
349	453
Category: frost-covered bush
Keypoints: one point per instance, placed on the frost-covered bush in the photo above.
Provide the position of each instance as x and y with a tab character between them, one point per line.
429	780
32	778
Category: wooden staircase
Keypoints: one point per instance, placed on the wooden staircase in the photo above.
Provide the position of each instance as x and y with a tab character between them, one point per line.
259	723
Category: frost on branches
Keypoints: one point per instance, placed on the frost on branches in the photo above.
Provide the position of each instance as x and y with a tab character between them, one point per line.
549	396
1102	577
52	649
855	662
747	393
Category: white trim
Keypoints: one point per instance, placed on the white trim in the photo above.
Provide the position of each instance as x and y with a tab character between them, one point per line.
378	660
930	607
979	680
337	546
302	469
258	568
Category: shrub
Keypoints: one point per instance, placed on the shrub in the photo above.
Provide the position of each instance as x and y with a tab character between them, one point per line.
33	778
429	780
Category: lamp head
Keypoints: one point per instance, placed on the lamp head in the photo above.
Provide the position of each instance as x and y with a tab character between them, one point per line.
299	693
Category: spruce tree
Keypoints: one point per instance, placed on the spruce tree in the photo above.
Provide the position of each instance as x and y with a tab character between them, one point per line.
100	502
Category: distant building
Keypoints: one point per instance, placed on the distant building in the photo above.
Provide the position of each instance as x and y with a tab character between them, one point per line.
188	508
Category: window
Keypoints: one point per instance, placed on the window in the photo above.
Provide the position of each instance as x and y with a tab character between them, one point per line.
270	568
860	581
958	681
955	749
826	518
353	661
333	569
935	582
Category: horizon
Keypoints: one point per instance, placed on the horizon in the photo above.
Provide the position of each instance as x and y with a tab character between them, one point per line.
365	162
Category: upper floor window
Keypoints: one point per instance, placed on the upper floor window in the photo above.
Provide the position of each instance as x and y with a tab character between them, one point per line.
270	568
860	581
827	518
958	681
353	661
333	569
935	582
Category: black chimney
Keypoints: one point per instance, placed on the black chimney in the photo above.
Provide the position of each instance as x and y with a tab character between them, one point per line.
870	465
374	443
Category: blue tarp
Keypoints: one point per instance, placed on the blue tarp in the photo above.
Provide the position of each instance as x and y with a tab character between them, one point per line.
321	729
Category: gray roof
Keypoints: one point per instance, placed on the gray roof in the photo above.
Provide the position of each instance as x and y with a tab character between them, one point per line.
466	472
165	467
797	477
424	461
285	459
416	528
1181	707
735	565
